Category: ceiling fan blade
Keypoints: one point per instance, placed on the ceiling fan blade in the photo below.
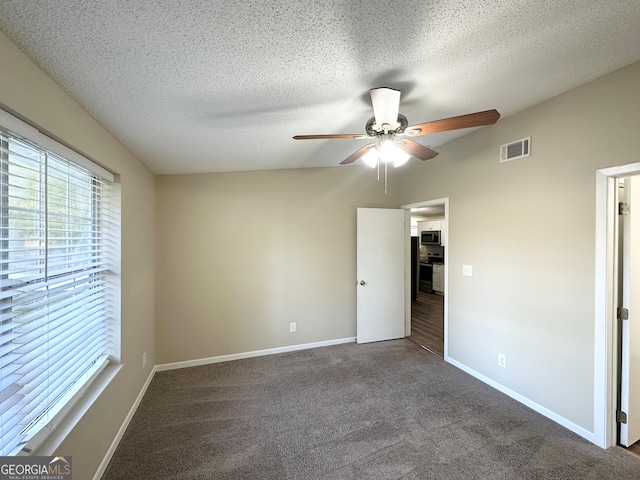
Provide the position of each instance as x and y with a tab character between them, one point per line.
358	154
353	136
416	149
478	119
386	106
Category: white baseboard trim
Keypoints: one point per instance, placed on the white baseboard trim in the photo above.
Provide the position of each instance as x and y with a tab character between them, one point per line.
526	401
257	353
123	427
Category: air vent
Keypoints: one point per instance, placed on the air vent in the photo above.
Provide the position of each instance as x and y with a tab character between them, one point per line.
513	151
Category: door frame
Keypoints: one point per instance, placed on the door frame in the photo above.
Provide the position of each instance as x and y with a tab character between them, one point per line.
606	337
407	311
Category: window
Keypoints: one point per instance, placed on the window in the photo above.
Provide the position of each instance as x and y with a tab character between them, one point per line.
56	301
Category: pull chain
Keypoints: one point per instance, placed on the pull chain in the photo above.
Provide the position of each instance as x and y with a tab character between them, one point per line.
385	178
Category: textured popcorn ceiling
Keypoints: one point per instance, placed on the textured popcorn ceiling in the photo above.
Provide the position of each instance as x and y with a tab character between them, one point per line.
208	86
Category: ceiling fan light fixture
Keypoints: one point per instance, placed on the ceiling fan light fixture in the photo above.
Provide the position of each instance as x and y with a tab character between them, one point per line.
388	130
390	152
371	157
401	157
387	151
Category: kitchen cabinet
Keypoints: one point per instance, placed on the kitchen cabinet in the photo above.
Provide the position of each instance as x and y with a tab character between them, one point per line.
430	226
438	278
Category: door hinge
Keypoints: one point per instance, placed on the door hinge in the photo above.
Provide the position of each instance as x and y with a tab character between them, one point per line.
623	313
623	208
621	417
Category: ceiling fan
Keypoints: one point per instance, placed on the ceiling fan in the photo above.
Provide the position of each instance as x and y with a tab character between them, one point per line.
389	129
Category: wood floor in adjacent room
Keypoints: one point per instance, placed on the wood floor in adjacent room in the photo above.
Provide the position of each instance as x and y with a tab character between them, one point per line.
427	322
635	449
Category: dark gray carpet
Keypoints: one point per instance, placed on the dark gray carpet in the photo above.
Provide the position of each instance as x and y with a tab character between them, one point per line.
386	410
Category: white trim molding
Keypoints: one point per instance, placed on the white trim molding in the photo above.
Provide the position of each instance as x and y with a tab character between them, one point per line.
116	441
256	353
195	363
525	401
605	338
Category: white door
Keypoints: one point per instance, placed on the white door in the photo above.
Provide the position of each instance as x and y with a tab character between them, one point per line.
630	378
380	270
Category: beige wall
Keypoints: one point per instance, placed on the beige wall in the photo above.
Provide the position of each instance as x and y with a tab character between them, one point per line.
29	92
528	229
241	255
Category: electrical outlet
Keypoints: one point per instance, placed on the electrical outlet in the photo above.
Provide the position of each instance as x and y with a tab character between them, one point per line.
467	270
502	360
293	327
144	359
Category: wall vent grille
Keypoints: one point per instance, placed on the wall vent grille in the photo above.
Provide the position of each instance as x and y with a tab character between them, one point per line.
514	150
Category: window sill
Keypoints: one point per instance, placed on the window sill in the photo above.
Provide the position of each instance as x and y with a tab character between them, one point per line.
63	427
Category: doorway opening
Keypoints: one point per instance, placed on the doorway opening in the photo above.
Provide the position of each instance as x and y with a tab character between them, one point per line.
628	303
427	305
609	323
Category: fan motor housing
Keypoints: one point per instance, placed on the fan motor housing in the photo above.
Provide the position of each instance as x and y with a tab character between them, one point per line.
372	132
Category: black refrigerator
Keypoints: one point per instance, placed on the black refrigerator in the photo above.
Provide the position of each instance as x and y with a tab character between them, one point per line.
415	267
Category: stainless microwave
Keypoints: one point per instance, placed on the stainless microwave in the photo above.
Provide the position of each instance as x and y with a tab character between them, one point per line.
430	237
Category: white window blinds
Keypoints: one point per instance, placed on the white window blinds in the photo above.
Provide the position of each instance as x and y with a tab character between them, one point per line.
54	300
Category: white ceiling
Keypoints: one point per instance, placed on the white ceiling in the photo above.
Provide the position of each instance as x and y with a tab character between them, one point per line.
425	213
209	86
